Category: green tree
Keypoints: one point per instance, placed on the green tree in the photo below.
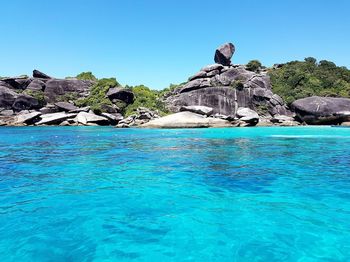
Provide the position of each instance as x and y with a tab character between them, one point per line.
97	97
254	65
299	79
145	97
86	76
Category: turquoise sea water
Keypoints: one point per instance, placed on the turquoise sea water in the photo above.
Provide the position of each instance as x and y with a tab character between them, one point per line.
239	194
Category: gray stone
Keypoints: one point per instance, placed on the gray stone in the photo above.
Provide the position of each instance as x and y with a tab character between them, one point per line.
212	67
200	74
195	84
23	102
202	110
121	93
81	109
322	110
88	118
7	97
36	85
54	118
60	87
247	115
7	112
65	106
186	120
224	53
27	118
38	74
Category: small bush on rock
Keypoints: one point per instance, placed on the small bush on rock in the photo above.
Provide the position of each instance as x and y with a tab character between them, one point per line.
254	65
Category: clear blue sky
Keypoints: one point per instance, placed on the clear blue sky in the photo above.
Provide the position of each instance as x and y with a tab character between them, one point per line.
158	42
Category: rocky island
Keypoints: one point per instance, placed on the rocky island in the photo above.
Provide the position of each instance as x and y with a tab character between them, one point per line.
222	94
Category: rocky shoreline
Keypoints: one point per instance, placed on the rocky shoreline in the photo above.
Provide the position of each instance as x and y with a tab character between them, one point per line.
219	95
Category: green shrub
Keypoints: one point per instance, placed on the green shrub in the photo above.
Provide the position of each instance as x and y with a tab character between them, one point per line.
237	84
86	76
37	94
97	96
254	65
69	96
145	97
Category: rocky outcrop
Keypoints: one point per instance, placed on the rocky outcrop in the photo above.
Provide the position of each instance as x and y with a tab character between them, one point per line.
56	88
54	118
322	110
120	93
225	88
143	115
7	97
24	102
186	120
224	53
38	74
66	106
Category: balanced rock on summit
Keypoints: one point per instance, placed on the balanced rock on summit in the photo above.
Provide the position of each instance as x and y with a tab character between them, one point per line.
224	53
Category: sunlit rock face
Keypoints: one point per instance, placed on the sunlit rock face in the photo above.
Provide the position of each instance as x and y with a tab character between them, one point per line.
226	87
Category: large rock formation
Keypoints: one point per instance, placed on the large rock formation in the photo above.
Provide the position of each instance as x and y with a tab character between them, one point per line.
44	100
226	87
186	120
55	88
322	110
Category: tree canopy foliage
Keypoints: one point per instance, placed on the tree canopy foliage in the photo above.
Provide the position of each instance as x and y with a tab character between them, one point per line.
254	65
97	97
86	76
299	79
145	97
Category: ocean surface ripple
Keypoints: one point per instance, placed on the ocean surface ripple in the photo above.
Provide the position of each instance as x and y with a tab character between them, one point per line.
226	194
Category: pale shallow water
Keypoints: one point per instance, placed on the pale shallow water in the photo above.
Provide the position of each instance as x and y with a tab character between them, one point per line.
239	194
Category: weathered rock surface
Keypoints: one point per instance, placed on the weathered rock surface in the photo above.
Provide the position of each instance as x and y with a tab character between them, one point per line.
54	118
186	120
38	74
322	110
23	102
60	87
224	53
27	118
202	110
247	115
142	116
66	106
36	85
121	93
89	118
7	97
225	89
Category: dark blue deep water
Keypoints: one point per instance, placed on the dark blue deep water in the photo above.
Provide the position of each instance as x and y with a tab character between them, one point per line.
239	194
